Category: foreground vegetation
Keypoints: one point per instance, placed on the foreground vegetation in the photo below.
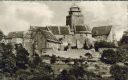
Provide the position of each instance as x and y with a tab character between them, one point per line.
17	64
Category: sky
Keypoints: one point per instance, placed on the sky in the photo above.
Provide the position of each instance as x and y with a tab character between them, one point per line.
20	15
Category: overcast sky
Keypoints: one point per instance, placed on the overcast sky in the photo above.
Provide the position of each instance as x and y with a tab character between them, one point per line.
19	15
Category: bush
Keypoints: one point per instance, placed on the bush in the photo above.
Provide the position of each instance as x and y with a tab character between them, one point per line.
81	74
53	59
119	72
124	39
103	44
109	56
64	75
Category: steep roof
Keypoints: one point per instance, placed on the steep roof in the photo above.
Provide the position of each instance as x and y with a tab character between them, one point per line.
102	30
42	28
84	29
54	29
27	34
48	35
64	30
80	28
18	34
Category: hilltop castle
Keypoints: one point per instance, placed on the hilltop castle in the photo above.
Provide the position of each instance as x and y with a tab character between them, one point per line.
75	35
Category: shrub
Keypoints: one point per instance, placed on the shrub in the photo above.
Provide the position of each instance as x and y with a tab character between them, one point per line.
109	56
103	44
119	72
53	59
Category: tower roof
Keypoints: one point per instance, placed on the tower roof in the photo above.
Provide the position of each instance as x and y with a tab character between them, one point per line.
74	7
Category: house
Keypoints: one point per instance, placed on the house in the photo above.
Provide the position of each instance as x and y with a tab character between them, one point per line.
15	37
44	40
63	34
27	44
102	33
83	36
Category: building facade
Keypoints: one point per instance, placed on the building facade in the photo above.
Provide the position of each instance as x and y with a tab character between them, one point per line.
104	33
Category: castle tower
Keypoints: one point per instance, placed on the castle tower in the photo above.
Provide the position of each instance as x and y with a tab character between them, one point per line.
74	18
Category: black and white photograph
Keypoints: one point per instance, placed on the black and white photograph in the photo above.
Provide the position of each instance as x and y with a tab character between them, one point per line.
63	40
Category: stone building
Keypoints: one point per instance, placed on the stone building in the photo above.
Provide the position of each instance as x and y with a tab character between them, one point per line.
103	33
75	33
75	18
41	38
80	31
15	37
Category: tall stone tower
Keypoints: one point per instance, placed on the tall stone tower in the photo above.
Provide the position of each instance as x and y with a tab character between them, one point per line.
75	18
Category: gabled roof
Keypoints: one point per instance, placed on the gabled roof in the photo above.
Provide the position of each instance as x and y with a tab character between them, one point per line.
84	29
64	30
102	30
54	29
42	28
48	35
32	28
18	34
27	34
80	28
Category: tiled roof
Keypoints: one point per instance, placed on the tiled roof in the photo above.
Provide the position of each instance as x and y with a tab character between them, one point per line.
102	30
42	28
64	30
54	29
27	34
80	28
48	35
18	34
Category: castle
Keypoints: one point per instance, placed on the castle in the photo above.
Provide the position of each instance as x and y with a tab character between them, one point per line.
75	35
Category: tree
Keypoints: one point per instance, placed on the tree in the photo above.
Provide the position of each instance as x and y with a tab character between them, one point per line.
42	71
109	56
21	57
119	72
82	74
64	75
8	59
124	39
37	59
77	71
53	59
1	35
103	44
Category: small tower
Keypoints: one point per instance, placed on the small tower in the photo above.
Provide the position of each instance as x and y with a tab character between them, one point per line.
74	18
